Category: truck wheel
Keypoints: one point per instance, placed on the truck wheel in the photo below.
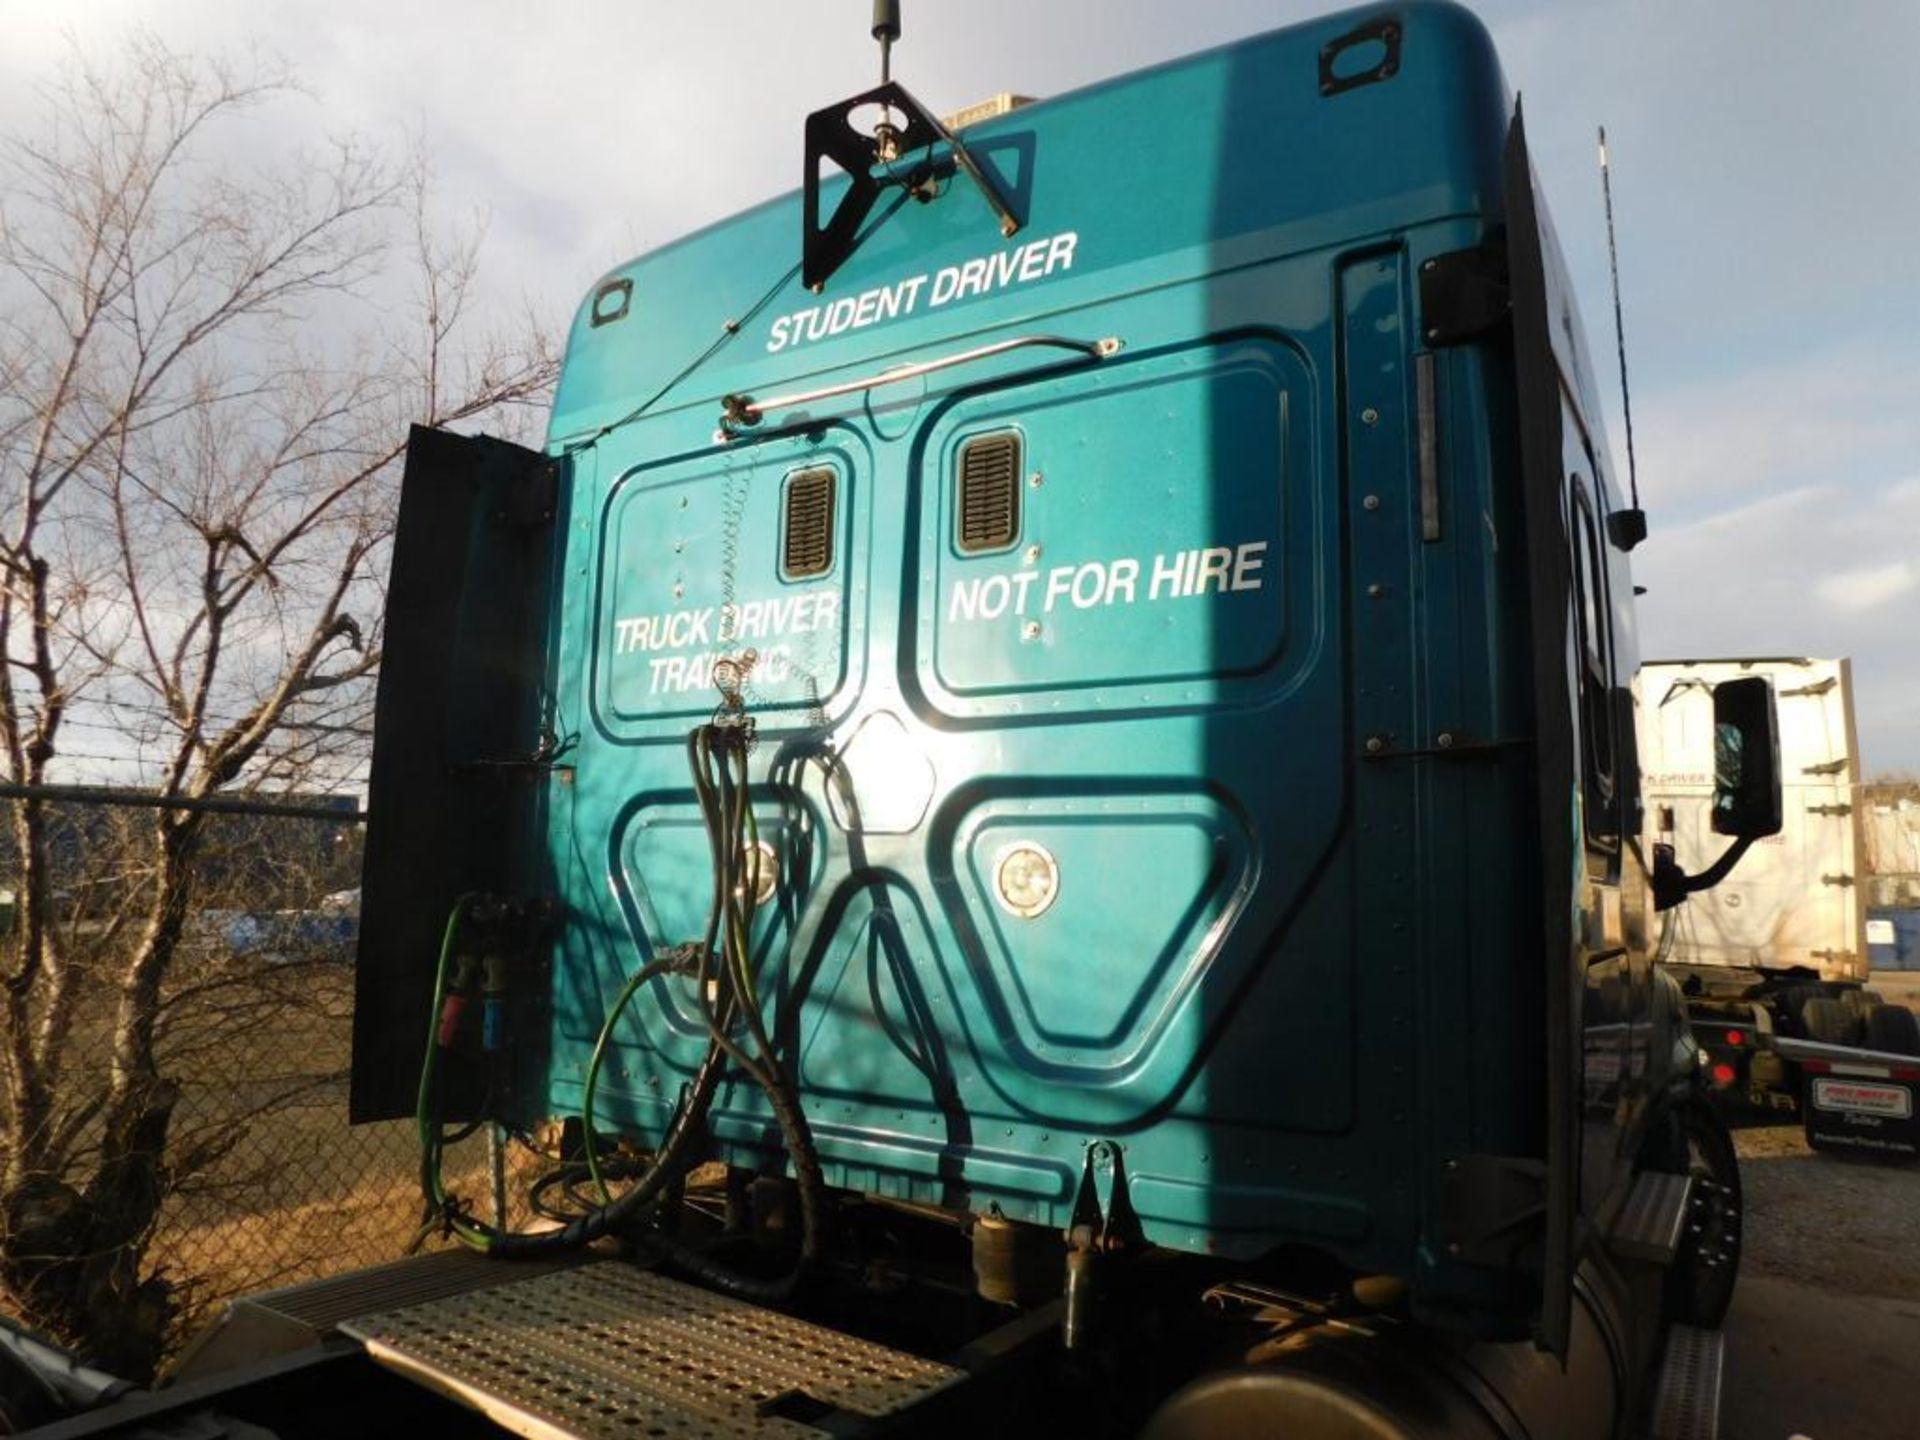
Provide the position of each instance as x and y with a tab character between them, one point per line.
1893	1028
1792	998
1832	1022
1700	1282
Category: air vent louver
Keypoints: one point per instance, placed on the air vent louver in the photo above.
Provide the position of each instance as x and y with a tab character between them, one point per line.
989	492
808	549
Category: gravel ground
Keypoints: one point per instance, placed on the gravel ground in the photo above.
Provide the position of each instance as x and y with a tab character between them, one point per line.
1838	1224
1824	1338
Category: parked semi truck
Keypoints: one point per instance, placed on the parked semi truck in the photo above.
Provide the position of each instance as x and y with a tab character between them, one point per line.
1030	812
1775	960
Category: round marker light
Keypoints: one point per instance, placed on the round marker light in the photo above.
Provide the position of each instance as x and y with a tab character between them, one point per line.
1736	1037
1026	879
1723	1075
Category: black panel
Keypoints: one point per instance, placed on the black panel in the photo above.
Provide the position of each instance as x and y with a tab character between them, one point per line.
989	505
806	546
1537	386
456	718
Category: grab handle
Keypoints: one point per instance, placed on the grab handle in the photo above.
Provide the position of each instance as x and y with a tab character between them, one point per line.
743	412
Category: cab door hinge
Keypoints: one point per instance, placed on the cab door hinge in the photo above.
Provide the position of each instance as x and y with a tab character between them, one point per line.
1493	1208
1464	294
530	505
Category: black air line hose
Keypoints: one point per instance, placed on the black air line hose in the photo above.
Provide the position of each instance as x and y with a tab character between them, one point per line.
717	756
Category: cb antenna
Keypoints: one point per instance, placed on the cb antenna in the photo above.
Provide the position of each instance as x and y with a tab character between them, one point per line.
886	29
1626	528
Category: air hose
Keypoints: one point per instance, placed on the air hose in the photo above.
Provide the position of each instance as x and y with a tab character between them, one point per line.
717	755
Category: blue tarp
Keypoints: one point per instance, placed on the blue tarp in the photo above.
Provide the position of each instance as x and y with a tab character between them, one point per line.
1893	937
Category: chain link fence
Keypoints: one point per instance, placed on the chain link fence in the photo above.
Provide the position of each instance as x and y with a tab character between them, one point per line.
282	1189
264	1183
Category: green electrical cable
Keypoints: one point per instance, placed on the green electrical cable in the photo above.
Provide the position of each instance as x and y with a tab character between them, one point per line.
627	992
430	1181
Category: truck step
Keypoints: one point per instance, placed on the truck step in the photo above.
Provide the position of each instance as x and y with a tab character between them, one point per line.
610	1350
1651	1221
1686	1403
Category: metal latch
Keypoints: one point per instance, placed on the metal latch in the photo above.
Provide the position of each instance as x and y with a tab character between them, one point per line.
1464	294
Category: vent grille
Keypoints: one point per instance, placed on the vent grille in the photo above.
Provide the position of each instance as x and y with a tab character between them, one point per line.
990	492
809	543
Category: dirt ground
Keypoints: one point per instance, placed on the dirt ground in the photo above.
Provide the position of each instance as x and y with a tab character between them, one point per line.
1824	1338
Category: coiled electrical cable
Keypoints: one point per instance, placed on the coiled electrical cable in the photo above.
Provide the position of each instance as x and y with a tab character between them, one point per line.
722	970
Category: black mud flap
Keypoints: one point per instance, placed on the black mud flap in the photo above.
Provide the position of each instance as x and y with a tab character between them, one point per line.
1550	601
460	686
1868	1110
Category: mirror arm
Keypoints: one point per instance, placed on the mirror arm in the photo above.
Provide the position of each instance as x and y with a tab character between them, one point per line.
1671	884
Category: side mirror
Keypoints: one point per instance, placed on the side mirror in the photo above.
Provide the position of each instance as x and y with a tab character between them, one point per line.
1746	759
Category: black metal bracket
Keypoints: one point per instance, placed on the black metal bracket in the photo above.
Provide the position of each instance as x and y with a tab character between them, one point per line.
1671	884
1447	745
610	302
831	135
1464	294
531	504
1384	32
1492	1207
1117	1227
1627	528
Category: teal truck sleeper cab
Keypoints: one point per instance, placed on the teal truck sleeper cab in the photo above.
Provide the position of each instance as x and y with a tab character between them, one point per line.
1093	742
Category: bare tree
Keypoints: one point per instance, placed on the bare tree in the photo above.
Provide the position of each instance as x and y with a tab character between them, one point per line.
206	375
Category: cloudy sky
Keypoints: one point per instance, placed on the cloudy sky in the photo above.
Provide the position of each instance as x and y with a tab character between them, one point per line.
1765	154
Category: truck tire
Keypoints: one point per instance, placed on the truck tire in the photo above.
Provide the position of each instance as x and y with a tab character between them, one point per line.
1892	1028
1790	1000
1832	1022
1860	1000
1701	1279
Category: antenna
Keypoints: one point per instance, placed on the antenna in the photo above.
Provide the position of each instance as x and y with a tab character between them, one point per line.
886	29
1626	528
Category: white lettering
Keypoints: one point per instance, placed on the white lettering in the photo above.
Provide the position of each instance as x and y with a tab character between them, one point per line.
1247	561
996	593
1167	573
980	275
1214	565
1023	582
1085	597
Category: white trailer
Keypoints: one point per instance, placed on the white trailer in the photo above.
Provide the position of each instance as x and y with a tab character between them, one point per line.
1774	958
1795	903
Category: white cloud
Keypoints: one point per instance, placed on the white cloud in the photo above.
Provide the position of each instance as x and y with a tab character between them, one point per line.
1869	587
1755	428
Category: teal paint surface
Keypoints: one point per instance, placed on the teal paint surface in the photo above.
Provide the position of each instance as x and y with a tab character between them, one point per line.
1256	973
